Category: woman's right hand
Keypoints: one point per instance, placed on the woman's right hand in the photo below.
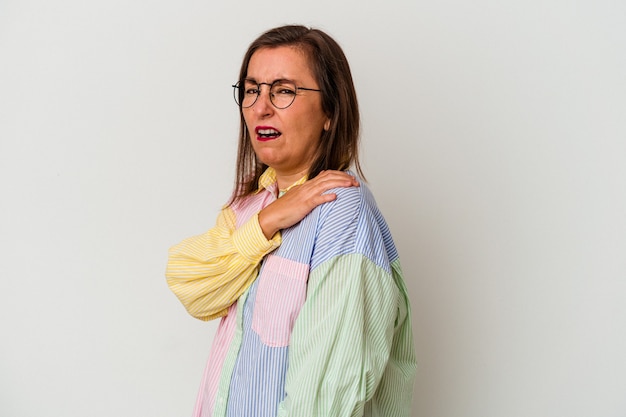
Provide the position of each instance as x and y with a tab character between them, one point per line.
300	200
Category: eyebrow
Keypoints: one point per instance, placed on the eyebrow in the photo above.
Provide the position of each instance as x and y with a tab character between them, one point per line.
253	80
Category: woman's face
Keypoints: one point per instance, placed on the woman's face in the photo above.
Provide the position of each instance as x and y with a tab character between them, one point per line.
285	139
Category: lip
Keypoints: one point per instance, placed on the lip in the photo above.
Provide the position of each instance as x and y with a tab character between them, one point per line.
261	138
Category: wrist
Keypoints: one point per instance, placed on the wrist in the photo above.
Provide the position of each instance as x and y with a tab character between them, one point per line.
268	226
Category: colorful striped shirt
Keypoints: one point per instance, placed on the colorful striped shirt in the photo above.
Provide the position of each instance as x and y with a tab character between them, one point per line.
315	321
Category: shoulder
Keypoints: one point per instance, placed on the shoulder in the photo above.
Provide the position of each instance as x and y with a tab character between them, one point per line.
351	202
352	223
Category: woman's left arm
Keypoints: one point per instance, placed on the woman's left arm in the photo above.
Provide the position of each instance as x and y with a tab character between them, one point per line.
351	342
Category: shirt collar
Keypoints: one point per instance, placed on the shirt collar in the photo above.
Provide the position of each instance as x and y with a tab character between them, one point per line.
268	181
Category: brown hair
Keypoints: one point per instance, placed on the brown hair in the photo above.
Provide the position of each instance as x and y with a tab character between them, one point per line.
339	145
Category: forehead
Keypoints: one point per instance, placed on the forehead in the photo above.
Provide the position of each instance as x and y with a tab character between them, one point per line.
283	62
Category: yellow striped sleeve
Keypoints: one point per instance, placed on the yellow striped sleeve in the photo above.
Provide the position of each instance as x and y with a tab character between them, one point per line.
209	272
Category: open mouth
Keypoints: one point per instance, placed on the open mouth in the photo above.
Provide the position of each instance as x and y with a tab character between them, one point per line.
264	133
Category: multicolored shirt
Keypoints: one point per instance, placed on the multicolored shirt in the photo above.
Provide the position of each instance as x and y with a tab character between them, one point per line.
315	321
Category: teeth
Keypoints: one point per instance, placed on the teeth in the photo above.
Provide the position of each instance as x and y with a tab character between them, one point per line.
267	132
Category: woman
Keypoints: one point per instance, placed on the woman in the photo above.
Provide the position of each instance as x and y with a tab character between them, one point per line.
300	266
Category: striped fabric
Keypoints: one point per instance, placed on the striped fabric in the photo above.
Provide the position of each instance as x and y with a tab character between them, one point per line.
211	271
323	330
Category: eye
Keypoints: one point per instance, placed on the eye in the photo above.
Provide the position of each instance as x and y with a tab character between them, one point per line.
250	88
284	89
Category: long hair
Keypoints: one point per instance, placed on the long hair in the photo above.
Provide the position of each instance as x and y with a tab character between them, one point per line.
338	148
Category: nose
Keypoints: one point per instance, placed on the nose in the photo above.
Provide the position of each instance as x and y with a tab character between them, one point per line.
263	105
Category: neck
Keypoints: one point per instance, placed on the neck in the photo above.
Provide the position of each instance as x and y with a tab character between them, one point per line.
284	180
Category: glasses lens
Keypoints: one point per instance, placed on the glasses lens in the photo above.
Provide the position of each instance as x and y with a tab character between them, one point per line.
237	93
245	93
282	93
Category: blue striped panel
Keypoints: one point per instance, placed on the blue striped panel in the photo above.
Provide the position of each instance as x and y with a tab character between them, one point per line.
298	241
258	379
353	224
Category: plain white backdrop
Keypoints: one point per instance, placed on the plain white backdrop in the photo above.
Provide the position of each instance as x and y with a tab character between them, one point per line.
494	138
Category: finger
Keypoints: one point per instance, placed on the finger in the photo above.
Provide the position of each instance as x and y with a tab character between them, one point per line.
340	175
325	198
326	184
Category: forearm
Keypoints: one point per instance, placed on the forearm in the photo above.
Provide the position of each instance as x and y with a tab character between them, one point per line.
209	272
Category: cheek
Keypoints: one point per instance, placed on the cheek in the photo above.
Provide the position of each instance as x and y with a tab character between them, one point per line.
247	117
250	130
311	130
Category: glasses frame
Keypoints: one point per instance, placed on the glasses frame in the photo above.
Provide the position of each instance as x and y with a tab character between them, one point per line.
237	86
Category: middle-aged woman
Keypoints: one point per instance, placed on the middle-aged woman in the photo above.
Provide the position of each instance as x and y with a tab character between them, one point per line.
300	265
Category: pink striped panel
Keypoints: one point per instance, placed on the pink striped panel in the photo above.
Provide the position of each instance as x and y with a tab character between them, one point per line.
213	371
252	205
280	295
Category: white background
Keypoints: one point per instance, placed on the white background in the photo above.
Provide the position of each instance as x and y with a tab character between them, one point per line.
494	140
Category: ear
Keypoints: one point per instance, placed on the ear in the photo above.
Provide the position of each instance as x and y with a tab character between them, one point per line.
327	124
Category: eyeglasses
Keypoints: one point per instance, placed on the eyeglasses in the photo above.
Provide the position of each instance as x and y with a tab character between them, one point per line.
282	93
